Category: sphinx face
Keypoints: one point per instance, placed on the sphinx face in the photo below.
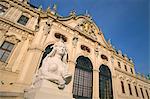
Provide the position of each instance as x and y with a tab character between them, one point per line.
61	50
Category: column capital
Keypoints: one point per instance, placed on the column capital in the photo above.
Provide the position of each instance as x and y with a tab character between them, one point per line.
70	61
95	70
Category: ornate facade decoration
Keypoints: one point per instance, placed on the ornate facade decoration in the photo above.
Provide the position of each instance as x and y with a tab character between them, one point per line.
88	29
30	54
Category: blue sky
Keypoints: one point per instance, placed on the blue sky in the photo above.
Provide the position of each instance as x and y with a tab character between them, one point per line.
125	22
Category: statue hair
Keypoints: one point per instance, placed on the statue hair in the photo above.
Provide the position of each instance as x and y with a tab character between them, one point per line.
53	52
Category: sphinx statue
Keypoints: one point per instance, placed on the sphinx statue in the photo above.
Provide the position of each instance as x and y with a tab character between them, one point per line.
54	66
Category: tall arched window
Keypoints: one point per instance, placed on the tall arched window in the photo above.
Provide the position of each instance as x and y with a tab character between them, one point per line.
48	49
83	79
105	83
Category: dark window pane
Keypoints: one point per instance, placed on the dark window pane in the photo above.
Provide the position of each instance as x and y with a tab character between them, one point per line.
5	50
136	91
147	94
10	47
122	86
83	79
23	20
142	92
119	65
131	70
1	53
5	45
125	67
105	83
130	89
5	56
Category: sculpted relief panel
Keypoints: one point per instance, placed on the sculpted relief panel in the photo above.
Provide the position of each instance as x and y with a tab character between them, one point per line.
54	66
87	28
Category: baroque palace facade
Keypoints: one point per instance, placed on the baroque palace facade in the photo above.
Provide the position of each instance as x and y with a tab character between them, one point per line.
98	70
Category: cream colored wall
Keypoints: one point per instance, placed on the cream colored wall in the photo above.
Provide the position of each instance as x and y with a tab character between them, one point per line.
130	79
26	56
19	35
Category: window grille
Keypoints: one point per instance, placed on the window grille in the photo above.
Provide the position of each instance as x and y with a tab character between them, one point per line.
83	79
105	83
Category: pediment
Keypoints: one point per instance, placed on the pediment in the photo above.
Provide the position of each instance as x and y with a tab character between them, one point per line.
87	27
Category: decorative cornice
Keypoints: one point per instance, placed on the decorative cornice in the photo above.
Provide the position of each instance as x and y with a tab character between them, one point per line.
46	15
70	61
122	77
131	75
17	26
96	70
26	6
36	47
124	59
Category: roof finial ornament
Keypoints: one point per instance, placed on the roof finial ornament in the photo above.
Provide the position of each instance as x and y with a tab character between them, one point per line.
73	13
40	8
54	9
87	14
114	47
24	1
48	10
109	42
120	52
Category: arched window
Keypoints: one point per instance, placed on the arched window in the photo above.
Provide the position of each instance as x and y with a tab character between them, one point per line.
130	90
147	94
142	92
137	94
48	49
83	79
122	86
105	83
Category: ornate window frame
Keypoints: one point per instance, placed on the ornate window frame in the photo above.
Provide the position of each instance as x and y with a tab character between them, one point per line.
26	15
6	48
11	39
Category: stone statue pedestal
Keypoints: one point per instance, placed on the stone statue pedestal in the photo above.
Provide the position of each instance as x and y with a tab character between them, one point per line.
45	89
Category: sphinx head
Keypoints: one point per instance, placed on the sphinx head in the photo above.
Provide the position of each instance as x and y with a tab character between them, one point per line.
60	49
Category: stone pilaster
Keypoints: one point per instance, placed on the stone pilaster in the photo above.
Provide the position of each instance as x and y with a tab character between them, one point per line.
22	52
95	84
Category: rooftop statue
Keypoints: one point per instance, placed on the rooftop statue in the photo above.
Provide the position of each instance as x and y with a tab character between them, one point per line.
54	67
